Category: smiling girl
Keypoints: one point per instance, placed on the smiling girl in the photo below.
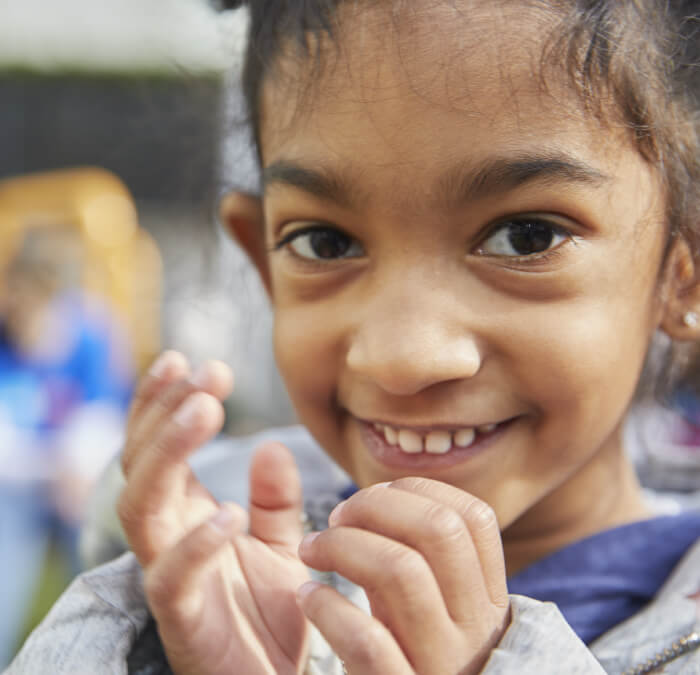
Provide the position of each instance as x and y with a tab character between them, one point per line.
474	217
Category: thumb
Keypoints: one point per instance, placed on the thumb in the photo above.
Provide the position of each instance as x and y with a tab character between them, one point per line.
275	497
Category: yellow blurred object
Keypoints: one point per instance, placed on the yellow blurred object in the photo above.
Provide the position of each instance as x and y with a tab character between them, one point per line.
122	262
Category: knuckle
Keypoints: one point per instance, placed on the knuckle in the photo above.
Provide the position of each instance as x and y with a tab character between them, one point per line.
160	589
502	603
169	444
411	483
362	503
142	393
145	389
443	523
402	563
195	548
129	515
161	407
174	395
364	649
481	515
163	403
315	603
163	444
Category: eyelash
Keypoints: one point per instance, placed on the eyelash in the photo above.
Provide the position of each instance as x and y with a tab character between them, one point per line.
318	228
535	257
531	258
291	236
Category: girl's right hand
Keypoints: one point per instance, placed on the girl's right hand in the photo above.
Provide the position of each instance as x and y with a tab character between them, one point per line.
224	600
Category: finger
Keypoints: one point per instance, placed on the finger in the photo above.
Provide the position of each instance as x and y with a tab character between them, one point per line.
175	583
276	578
276	498
149	504
432	528
364	644
171	583
400	586
168	367
213	377
483	526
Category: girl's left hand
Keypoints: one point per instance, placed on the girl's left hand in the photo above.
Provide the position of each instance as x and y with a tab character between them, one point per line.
430	559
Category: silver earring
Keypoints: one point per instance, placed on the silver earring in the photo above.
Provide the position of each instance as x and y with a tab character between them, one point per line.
691	319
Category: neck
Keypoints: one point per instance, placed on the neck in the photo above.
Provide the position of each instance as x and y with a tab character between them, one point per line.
603	494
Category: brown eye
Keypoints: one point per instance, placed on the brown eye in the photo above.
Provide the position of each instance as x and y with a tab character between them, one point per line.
323	243
518	238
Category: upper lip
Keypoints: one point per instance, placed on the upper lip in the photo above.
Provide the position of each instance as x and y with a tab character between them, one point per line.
426	428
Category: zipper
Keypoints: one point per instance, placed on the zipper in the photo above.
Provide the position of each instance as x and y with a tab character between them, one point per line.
686	644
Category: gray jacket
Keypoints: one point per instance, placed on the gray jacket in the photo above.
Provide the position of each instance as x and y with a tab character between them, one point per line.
102	625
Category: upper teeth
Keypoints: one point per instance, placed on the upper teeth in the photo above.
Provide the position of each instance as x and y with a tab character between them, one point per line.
434	442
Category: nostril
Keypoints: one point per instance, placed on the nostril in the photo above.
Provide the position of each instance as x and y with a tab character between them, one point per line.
404	368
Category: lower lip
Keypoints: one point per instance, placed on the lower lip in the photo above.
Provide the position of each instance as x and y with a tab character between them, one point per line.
393	456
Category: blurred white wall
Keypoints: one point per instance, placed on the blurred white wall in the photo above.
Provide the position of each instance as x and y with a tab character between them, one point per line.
121	35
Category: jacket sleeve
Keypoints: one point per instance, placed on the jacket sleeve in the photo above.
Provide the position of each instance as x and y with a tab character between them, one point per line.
539	641
97	623
92	628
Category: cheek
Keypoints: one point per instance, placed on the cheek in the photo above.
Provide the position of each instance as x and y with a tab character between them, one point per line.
309	352
308	357
587	371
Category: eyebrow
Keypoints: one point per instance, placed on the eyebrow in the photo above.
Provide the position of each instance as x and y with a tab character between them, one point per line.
500	174
458	185
318	182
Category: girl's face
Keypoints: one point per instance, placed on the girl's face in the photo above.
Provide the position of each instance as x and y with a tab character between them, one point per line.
464	267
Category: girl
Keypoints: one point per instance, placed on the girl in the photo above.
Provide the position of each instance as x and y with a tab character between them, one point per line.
474	218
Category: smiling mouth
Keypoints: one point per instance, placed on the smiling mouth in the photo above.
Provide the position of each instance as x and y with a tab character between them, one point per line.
436	442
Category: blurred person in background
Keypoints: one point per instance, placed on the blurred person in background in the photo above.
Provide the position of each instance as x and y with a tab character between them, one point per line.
662	432
65	382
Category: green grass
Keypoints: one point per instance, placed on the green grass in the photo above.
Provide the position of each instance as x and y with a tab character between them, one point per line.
55	576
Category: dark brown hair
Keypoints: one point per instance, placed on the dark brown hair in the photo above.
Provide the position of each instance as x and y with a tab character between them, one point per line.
636	60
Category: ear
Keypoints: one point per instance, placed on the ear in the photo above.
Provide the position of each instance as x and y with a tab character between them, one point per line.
241	214
681	313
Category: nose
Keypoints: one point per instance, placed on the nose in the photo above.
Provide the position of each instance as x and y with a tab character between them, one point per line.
407	344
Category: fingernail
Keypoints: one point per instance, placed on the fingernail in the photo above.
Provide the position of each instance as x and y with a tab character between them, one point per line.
200	378
188	411
335	514
308	540
222	519
160	366
307	588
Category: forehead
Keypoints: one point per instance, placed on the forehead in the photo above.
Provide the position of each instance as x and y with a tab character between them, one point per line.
417	85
